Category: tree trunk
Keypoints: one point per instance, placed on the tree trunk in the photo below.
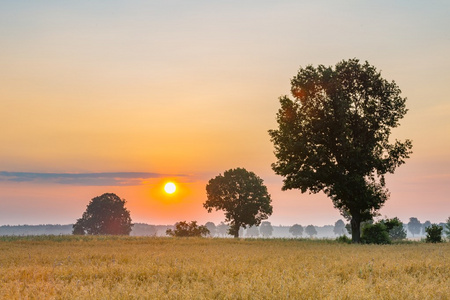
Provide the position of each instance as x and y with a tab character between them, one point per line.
356	228
236	228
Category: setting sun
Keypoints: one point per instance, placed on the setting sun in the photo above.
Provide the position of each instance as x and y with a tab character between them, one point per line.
170	188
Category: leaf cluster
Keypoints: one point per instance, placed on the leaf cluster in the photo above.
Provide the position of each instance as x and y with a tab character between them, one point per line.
185	229
434	233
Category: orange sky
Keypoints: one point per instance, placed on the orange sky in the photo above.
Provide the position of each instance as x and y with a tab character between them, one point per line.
187	90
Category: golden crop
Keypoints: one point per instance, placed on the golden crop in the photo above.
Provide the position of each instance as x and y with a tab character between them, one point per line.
169	268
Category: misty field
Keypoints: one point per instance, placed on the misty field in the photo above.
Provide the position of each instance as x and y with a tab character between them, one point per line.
70	267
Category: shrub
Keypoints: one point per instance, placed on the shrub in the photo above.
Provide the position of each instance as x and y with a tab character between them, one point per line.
185	229
434	233
375	234
344	239
395	228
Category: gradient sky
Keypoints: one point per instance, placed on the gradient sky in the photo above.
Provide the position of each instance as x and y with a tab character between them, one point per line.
120	96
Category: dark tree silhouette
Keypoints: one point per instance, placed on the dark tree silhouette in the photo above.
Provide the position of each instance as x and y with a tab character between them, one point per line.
266	229
394	228
185	229
211	227
447	228
434	233
243	197
296	230
414	226
311	230
334	137
105	214
339	227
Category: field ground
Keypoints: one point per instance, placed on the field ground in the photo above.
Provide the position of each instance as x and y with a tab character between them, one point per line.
70	267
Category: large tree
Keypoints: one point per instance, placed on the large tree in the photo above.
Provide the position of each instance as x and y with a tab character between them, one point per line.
334	137
105	214
242	196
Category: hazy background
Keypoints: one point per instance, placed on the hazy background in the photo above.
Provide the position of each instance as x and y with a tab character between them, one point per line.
118	96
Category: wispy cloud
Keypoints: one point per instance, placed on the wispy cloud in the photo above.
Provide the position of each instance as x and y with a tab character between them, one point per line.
93	179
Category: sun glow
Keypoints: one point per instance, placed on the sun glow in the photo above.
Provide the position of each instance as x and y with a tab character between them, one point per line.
170	188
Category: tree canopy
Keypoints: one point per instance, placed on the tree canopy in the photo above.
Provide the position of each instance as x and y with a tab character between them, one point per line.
242	196
334	136
105	214
185	229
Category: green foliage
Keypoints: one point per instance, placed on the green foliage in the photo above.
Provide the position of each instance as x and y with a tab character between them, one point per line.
242	196
375	234
414	226
434	233
104	215
395	229
184	229
447	228
334	136
296	230
344	239
310	230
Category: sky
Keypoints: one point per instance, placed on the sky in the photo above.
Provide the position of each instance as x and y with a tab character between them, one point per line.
122	96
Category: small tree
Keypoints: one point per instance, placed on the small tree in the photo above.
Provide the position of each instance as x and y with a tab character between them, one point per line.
395	228
266	229
296	230
339	227
211	227
375	234
434	233
243	197
184	229
447	228
414	226
105	214
311	230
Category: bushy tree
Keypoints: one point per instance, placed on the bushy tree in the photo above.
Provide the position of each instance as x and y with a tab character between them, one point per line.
311	230
105	214
334	136
395	228
434	233
414	226
296	230
375	234
447	228
339	227
242	196
185	229
211	227
266	229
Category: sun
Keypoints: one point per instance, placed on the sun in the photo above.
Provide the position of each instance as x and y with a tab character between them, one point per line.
170	188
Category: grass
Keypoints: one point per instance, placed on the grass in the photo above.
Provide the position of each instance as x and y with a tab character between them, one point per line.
70	267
